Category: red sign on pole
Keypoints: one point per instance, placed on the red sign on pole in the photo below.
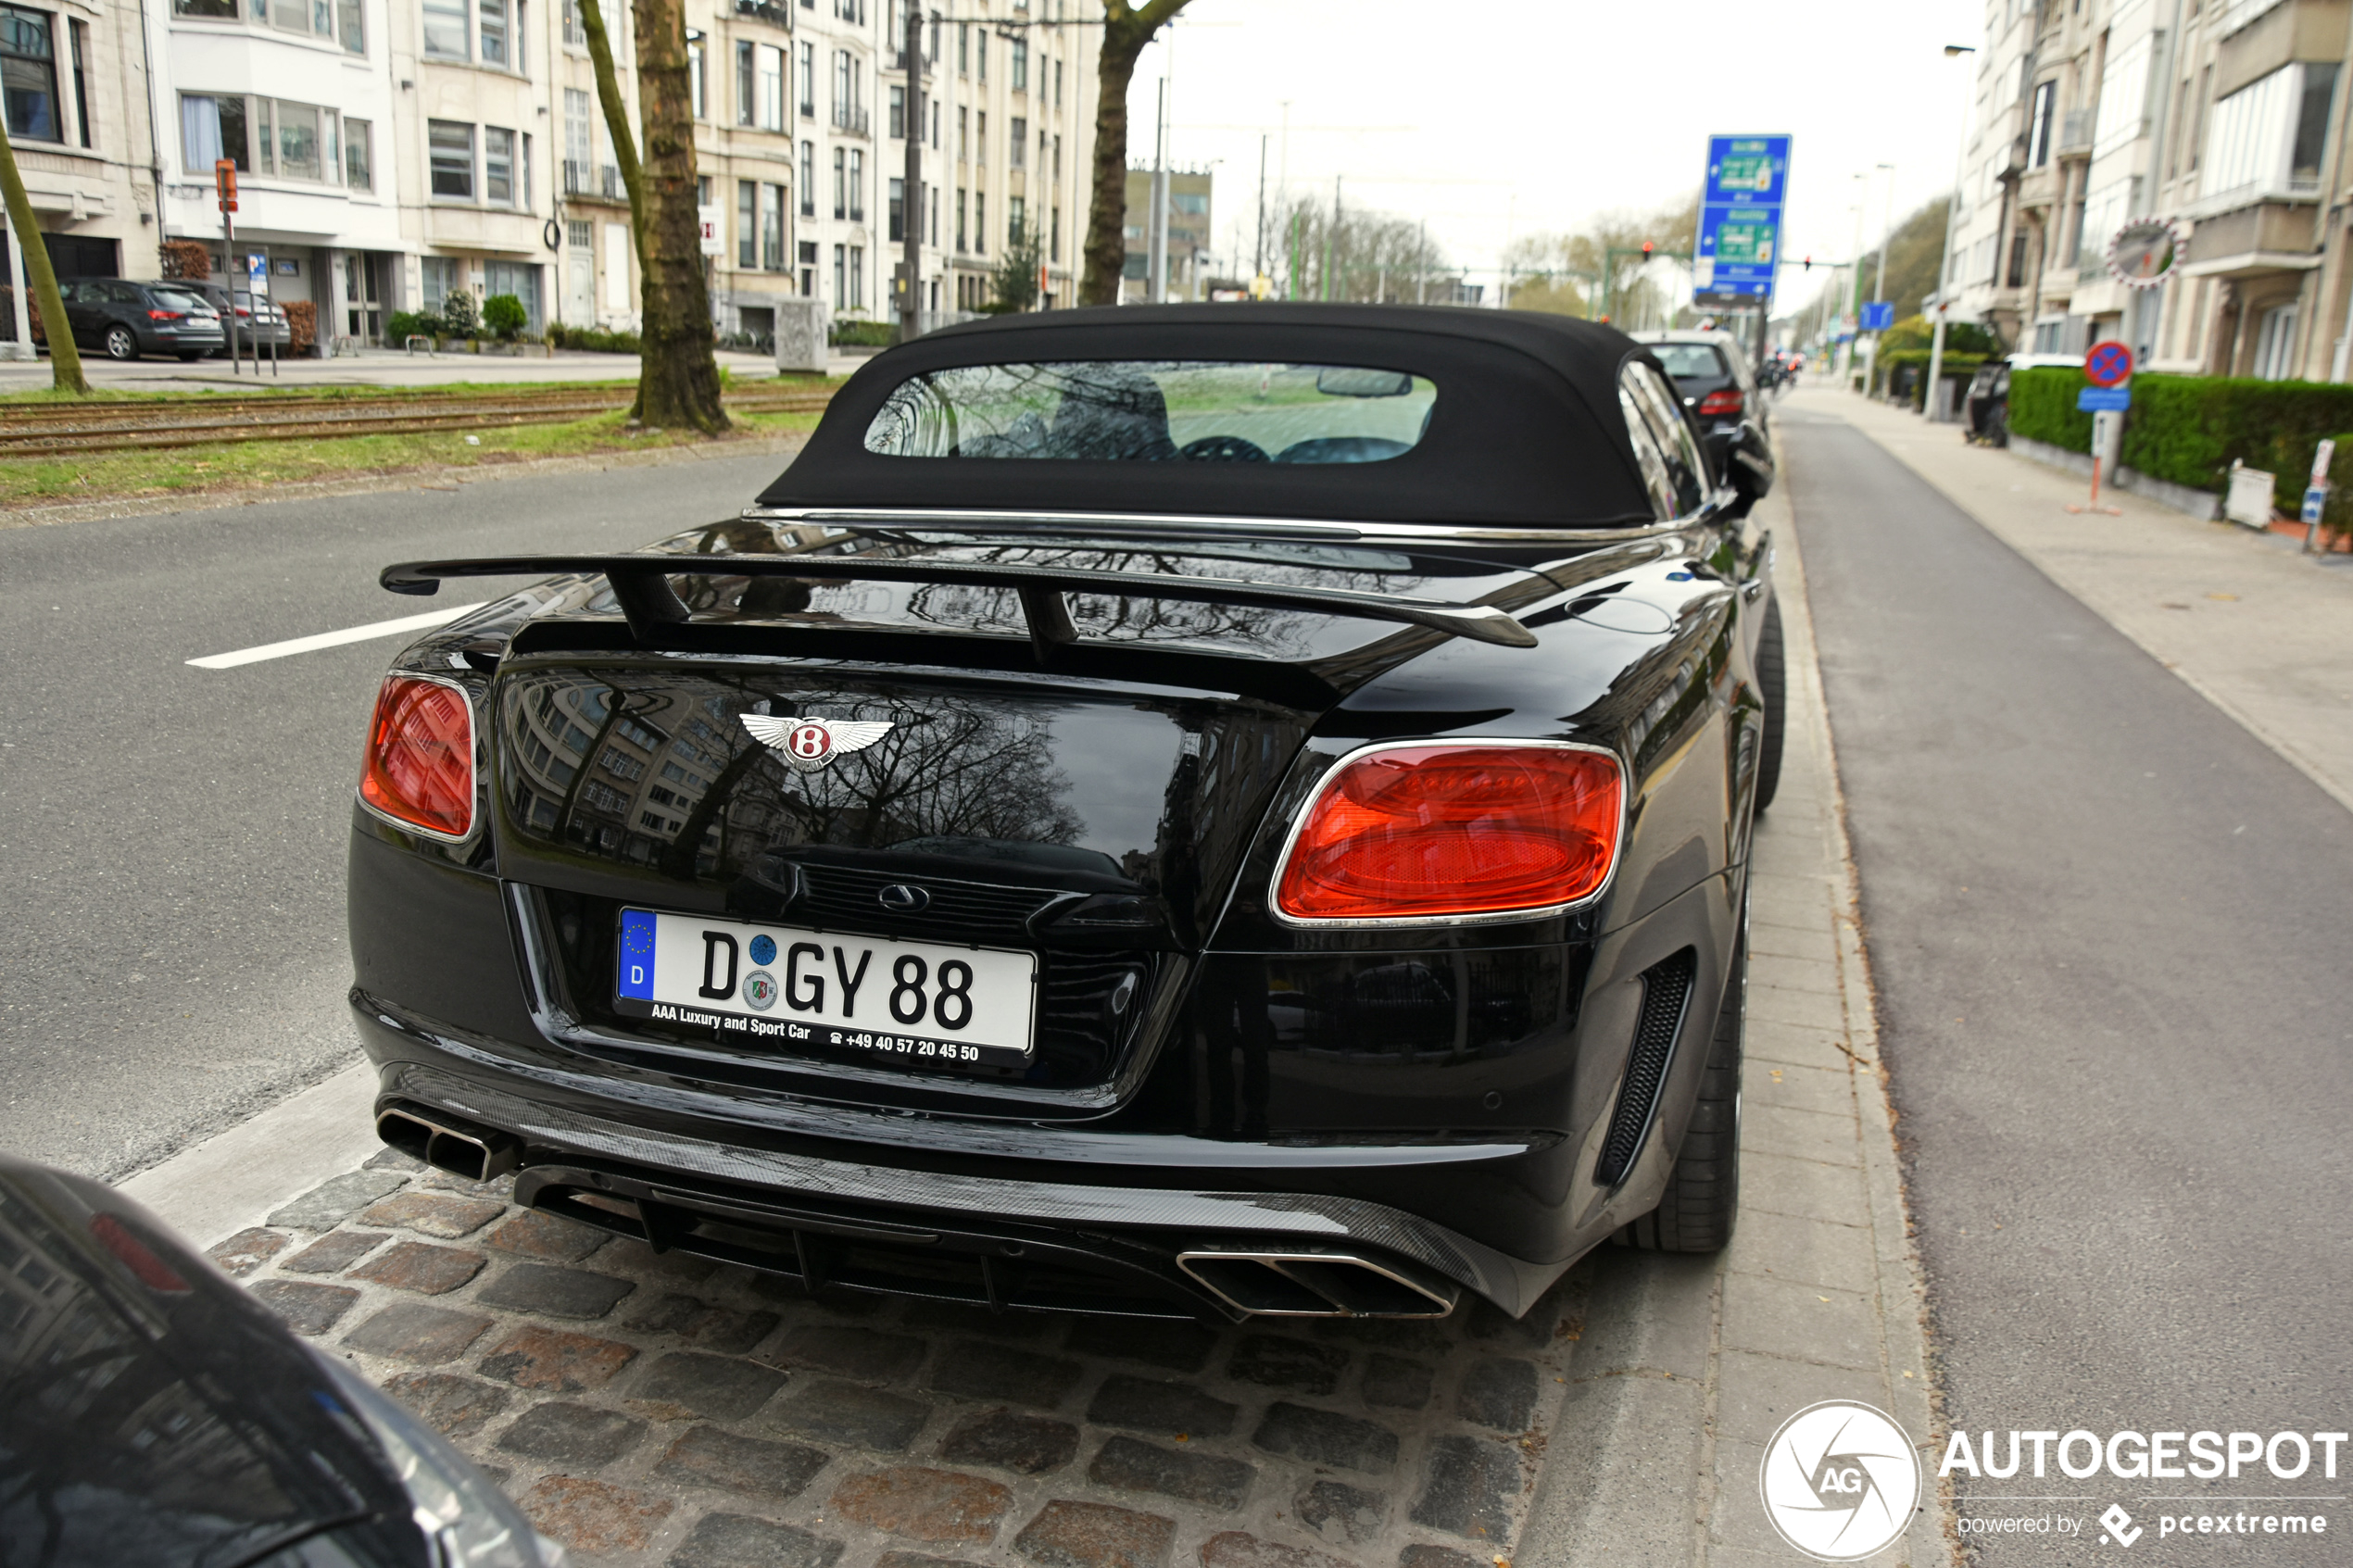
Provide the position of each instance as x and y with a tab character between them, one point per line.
224	184
2108	364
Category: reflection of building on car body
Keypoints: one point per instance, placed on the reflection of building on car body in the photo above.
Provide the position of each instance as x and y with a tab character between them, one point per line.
1309	761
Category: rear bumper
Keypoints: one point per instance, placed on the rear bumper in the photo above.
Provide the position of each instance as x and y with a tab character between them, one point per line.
1204	1193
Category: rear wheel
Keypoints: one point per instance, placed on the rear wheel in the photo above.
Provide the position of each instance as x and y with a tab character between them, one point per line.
1695	1214
122	344
1772	686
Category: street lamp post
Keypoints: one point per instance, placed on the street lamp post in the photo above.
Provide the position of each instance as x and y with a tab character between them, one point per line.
1930	406
1879	285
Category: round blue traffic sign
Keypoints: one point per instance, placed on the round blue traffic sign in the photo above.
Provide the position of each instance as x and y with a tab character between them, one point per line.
2108	364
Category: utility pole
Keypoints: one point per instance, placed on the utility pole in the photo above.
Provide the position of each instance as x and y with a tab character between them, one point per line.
224	185
1421	268
910	206
1258	270
1929	407
1879	288
1156	231
1855	284
1331	232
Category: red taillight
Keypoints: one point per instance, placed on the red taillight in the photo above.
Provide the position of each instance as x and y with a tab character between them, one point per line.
1723	400
165	315
1432	830
421	755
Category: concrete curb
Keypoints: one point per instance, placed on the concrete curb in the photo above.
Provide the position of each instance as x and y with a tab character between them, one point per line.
235	1179
406	479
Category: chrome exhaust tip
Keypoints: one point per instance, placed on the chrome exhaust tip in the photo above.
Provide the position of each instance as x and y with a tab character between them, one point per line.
475	1153
1314	1283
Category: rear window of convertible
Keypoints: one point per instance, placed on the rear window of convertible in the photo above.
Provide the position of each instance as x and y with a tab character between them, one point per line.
1156	410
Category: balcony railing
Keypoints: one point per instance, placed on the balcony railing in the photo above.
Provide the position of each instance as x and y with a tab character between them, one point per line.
852	120
594	179
763	10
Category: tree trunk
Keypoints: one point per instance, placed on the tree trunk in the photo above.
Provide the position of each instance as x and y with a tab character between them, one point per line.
1125	31
678	377
65	360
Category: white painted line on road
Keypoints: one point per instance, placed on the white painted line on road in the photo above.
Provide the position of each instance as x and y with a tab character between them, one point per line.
331	639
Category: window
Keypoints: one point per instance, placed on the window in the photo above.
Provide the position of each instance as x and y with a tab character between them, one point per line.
964	49
29	74
808	270
349	22
841	179
1015	209
1664	446
492	15
841	281
857	186
931	235
898	114
809	178
2038	142
747	224
497	165
1054	245
935	123
772	227
747	84
445	26
1021	65
1019	144
522	281
1302	414
771	87
359	155
296	142
210	10
2124	89
980	140
963	134
212	129
2274	343
580	141
898	209
858	277
981	43
449	150
809	82
575	31
1058	85
980	222
2018	259
441	279
960	218
80	36
696	74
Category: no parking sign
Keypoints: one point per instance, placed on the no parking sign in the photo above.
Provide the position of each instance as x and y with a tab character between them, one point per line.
2108	364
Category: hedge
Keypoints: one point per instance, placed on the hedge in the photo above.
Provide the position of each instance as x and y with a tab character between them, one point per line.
2188	428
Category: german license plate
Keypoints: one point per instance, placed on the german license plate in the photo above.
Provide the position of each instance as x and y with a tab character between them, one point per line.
919	1004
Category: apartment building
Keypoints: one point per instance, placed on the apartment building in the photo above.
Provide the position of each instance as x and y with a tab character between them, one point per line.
1190	193
76	106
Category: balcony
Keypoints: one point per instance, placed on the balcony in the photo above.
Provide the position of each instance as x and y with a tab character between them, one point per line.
594	181
2075	133
763	10
853	120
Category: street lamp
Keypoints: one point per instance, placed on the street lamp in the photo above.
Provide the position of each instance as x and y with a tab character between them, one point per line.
1945	268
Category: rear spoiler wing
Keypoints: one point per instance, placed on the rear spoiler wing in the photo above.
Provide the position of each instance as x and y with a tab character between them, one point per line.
641	583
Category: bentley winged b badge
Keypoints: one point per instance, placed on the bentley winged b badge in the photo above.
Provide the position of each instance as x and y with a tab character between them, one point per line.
808	744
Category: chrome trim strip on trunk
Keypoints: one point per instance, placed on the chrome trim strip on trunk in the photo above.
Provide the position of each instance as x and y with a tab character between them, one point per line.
1155	525
1509	1282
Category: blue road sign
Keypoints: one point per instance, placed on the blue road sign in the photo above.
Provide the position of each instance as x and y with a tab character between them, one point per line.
2104	399
1878	315
1739	242
2314	499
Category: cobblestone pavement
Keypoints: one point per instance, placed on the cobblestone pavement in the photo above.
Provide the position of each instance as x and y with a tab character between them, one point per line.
664	1410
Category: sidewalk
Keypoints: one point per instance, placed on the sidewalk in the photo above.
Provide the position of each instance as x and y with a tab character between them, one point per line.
2261	631
375	367
663	1410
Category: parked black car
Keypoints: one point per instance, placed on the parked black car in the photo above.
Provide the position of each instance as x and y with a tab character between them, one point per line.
1712	372
152	1412
127	319
1176	810
271	326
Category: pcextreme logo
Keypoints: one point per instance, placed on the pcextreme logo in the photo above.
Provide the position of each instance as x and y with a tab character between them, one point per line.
1839	1480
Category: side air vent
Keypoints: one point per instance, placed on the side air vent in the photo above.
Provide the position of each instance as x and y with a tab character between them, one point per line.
1666	992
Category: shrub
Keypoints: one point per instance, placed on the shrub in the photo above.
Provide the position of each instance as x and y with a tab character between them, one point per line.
401	325
504	317
458	314
302	324
594	341
2189	429
186	259
864	334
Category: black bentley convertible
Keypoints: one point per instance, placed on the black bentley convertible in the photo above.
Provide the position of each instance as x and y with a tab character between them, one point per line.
1212	810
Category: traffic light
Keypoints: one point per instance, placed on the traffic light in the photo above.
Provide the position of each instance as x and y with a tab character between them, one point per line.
1809	264
1647	248
224	181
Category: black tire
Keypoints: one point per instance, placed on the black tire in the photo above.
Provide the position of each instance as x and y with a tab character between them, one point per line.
189	358
1772	686
121	343
1697	1213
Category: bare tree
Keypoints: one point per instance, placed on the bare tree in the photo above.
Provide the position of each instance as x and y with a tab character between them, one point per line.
677	375
65	362
1126	29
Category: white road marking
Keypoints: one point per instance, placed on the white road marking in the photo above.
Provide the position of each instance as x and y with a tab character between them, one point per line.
333	639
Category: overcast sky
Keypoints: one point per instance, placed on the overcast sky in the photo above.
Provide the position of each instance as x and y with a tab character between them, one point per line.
1500	118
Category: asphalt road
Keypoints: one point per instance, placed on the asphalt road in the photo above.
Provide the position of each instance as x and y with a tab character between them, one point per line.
2108	931
173	839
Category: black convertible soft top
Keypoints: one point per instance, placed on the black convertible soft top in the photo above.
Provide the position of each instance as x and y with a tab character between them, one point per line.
1527	431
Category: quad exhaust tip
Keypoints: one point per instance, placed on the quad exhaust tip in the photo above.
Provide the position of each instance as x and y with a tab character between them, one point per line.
1310	1284
462	1149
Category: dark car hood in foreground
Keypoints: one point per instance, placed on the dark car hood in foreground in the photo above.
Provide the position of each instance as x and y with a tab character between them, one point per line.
153	1413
